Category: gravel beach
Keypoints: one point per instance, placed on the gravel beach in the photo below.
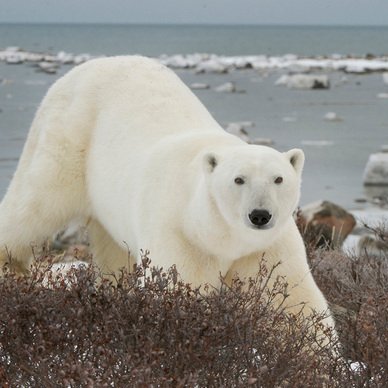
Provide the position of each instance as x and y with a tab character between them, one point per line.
338	128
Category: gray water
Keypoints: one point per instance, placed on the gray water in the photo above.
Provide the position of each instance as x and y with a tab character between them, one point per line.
178	39
292	118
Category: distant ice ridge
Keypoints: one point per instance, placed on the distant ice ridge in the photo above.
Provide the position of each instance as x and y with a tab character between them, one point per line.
212	63
14	55
290	62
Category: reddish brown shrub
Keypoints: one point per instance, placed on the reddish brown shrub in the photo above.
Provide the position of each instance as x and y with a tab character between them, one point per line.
149	329
357	288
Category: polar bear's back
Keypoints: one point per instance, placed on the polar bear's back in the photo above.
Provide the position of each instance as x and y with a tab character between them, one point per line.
136	92
128	102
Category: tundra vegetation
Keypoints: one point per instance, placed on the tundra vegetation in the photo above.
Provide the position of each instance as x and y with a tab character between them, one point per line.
146	328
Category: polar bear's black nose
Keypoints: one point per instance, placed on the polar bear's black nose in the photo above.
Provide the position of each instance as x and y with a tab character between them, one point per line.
260	217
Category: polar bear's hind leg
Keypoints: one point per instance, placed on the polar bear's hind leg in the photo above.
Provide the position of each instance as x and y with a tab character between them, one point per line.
48	189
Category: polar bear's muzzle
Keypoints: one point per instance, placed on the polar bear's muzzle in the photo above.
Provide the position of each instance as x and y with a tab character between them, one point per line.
260	219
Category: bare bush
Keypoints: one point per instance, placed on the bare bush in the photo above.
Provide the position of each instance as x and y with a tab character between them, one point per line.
147	328
357	289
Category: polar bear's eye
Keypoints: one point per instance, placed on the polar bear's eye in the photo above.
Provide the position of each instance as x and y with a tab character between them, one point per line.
279	180
239	181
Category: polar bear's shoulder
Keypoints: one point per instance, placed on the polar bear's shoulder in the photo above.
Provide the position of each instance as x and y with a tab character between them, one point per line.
123	71
123	63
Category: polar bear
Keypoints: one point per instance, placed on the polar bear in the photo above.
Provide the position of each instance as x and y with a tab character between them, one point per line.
123	143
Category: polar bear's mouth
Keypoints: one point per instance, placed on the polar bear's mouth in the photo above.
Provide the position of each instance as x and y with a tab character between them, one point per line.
260	219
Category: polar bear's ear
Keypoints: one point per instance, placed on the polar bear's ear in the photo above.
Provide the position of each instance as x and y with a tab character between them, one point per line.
210	162
296	158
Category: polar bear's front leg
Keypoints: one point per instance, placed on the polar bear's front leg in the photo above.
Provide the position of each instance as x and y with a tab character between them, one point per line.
193	265
107	254
287	258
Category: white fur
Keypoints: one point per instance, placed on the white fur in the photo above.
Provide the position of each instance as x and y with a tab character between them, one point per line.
123	143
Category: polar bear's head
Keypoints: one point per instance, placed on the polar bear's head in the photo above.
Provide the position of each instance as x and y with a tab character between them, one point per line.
254	187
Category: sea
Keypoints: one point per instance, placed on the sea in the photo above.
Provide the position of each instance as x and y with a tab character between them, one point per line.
336	151
154	40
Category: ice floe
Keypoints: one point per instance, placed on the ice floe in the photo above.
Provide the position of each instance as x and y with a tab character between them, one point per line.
304	81
317	143
332	116
238	130
228	87
199	86
289	62
212	63
376	170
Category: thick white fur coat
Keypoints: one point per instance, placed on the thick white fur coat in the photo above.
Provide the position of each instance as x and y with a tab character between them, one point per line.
123	143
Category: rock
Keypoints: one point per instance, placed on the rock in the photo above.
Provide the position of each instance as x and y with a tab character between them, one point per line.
283	80
317	143
326	224
356	68
360	200
385	78
245	124
65	58
377	195
332	116
298	69
211	66
382	95
180	61
198	86
238	130
78	252
14	59
13	49
81	58
262	141
373	217
73	235
289	119
370	246
48	67
376	170
228	87
304	81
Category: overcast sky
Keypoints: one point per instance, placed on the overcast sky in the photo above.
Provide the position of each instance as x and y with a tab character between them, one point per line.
349	12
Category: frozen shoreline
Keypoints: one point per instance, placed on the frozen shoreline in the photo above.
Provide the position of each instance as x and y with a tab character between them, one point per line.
328	125
211	63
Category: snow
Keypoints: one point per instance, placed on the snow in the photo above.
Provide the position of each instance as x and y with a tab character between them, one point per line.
211	63
332	116
62	270
304	81
373	217
238	130
376	170
317	143
228	87
199	86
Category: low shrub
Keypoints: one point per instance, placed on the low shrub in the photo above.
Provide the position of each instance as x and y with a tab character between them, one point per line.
147	328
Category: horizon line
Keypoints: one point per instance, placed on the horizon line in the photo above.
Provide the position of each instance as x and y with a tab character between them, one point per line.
191	24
